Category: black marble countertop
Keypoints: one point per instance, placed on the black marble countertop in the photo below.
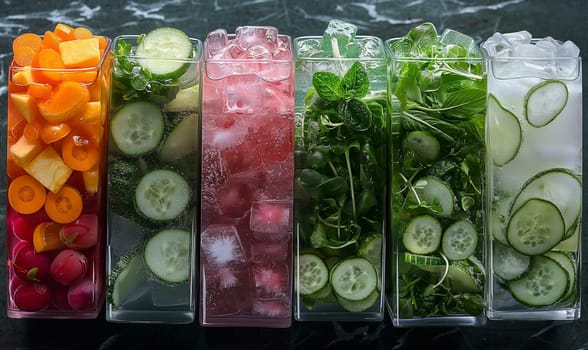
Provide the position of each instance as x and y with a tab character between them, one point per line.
565	20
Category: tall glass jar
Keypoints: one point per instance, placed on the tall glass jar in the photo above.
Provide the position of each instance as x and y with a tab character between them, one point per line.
153	172
340	178
437	87
534	171
56	170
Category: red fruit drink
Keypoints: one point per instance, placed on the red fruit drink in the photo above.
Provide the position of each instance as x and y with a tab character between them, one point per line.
56	147
247	179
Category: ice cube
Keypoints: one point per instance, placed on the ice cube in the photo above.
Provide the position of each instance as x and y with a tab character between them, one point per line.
248	36
450	36
308	48
497	46
216	42
268	251
370	48
240	158
337	37
279	179
271	308
518	38
272	216
234	199
282	51
271	280
164	295
569	49
242	94
219	301
221	245
258	52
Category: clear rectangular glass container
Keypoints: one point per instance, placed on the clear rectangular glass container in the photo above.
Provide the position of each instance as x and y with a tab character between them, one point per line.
153	187
56	160
340	181
534	137
246	179
437	187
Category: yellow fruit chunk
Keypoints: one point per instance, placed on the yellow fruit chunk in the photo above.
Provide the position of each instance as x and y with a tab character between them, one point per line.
80	53
26	105
49	169
23	151
23	76
91	180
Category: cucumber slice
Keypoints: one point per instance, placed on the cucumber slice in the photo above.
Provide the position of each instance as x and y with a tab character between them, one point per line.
466	276
186	100
360	305
167	255
436	193
498	219
162	195
128	278
165	52
544	284
371	249
354	279
313	274
508	264
558	186
422	235
423	260
536	227
137	128
424	146
545	101
181	141
460	240
566	261
505	132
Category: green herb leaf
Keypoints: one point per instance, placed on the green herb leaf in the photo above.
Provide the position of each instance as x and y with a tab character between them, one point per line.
327	85
355	83
423	36
355	114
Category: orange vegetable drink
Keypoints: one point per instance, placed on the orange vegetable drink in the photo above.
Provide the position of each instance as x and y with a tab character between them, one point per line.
56	146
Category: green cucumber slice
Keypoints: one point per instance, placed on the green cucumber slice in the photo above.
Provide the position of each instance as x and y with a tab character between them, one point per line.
544	284
422	235
165	52
507	263
558	186
354	279
422	260
371	248
466	276
162	195
505	132
167	255
436	193
424	146
536	227
137	128
498	219
313	274
128	274
460	240
545	101
359	305
182	140
565	261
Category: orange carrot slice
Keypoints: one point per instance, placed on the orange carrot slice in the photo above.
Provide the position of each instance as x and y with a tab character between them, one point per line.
64	31
51	133
50	41
42	91
26	195
25	47
79	153
68	101
65	206
46	237
48	66
13	171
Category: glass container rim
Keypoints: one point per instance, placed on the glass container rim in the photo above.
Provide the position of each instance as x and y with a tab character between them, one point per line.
392	57
196	43
340	59
252	61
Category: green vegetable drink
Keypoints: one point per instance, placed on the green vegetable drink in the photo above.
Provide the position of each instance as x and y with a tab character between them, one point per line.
438	102
340	175
534	128
152	177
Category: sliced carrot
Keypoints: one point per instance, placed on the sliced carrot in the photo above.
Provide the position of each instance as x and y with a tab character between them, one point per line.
64	31
25	47
69	100
26	195
46	237
32	131
48	66
51	133
12	170
42	91
15	87
79	153
51	41
65	206
82	33
95	91
86	76
15	128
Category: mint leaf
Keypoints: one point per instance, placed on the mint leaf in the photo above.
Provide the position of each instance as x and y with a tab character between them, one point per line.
327	86
355	114
355	83
464	104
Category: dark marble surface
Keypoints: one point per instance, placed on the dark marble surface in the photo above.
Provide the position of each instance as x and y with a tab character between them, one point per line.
564	20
